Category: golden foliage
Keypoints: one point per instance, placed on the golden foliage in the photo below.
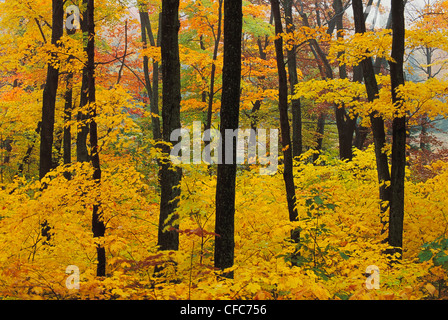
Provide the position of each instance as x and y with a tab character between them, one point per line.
339	223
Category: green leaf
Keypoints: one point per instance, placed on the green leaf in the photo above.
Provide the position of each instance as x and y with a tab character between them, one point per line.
444	243
318	200
343	255
425	255
308	202
440	258
343	296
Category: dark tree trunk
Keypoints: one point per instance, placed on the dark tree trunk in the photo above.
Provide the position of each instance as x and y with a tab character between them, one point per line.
98	226
296	107
82	154
211	93
67	140
346	125
230	106
284	122
360	130
7	145
398	130
49	95
377	122
170	177
152	90
67	134
424	145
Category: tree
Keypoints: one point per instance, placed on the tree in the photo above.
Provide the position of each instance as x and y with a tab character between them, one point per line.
398	162
67	135
49	104
211	93
297	143
49	95
226	176
68	108
377	123
288	176
82	153
170	176
152	90
345	123
98	226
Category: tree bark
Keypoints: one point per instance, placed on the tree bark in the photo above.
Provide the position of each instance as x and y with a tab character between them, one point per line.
284	122
296	106
152	90
230	106
346	125
377	122
170	177
67	140
49	95
360	130
211	93
398	130
82	154
98	226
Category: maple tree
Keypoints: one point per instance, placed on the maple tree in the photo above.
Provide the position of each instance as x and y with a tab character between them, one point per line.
86	179
230	109
170	176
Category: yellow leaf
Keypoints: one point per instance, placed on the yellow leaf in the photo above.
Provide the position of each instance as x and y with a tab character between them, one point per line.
431	289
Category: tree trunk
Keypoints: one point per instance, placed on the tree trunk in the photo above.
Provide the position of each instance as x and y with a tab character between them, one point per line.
152	91
67	134
284	122
67	140
377	122
360	130
398	130
98	227
7	145
170	177
346	125
293	80
230	106
49	95
82	154
211	93
424	145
